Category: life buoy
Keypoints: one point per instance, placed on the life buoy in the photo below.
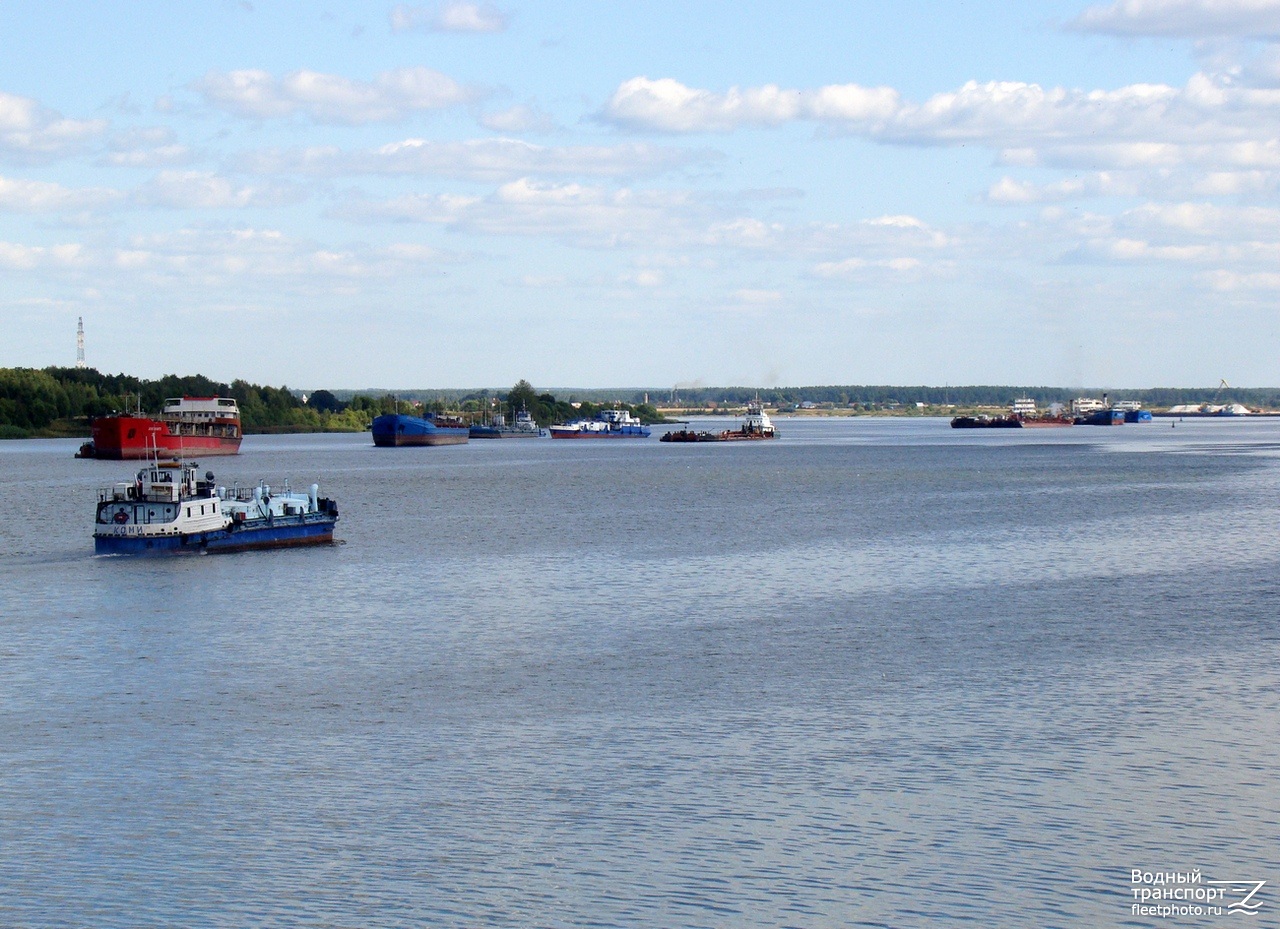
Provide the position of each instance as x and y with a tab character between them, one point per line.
121	517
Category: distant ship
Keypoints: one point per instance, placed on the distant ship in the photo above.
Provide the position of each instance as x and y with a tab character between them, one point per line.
497	428
187	426
396	429
1091	412
690	435
168	509
986	422
755	425
1044	421
1025	410
1108	417
610	424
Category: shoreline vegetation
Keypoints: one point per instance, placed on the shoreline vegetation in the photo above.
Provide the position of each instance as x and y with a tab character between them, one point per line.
61	402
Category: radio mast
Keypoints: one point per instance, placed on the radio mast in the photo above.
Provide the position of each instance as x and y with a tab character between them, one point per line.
80	343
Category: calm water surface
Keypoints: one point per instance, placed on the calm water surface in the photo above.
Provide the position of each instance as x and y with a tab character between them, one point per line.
876	673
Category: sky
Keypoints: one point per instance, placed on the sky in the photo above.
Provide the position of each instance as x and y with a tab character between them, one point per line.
607	194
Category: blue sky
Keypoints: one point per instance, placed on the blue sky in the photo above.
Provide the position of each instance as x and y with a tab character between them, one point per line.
613	194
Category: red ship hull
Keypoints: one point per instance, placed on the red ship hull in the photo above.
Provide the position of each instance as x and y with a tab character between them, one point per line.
127	437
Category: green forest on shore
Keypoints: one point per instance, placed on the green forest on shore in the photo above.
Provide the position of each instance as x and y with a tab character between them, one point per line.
63	401
56	402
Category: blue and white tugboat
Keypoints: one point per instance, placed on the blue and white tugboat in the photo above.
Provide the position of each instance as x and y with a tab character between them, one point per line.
168	509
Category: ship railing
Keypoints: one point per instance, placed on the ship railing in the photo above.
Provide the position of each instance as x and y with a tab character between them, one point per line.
240	494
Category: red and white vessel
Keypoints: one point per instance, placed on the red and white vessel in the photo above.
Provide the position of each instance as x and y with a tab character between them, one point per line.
187	427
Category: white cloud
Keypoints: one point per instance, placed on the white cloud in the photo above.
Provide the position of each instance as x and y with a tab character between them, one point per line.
1208	220
29	132
145	147
1234	281
160	156
219	257
1138	123
592	216
645	278
26	196
479	159
1191	18
518	118
1235	183
329	98
667	105
449	17
206	190
1140	249
1101	184
851	267
19	257
587	216
544	281
757	297
910	229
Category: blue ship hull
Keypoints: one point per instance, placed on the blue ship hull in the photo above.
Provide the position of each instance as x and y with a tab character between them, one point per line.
280	532
396	429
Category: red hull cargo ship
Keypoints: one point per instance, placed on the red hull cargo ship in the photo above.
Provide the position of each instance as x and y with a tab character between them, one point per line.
187	427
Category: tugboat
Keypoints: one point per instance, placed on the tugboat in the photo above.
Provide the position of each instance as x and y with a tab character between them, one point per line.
168	509
756	425
395	429
186	426
610	424
497	428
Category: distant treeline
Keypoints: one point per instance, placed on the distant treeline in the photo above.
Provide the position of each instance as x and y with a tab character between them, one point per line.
884	396
867	396
62	401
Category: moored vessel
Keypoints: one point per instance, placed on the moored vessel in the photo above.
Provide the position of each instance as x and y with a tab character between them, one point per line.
1046	421
186	426
169	509
755	425
398	429
609	424
690	435
986	422
498	428
1107	417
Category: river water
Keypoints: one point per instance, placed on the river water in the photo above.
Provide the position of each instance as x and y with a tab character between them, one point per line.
874	673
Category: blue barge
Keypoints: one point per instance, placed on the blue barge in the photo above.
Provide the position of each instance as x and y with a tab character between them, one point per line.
396	429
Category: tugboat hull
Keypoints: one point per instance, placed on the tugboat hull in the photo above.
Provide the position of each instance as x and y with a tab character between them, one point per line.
282	532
